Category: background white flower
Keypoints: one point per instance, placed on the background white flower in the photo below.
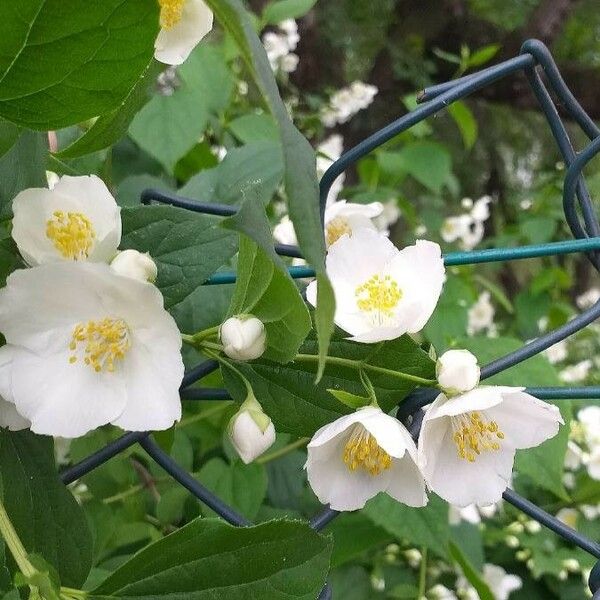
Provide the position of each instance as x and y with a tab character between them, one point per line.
86	347
357	456
467	443
499	581
77	220
279	46
345	218
481	316
467	228
184	23
382	292
346	102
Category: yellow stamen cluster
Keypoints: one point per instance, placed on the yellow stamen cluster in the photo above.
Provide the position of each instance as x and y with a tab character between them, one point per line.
170	12
363	452
379	295
104	342
336	228
71	233
473	434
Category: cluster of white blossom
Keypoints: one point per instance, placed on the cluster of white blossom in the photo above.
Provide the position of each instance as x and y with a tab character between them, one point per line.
467	228
346	102
280	45
481	316
88	339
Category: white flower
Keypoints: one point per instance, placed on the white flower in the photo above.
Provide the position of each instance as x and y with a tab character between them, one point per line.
592	463
184	23
568	516
557	352
467	228
279	46
457	371
340	218
454	228
589	418
87	347
573	456
243	337
328	151
440	592
345	218
389	215
467	443
499	582
346	102
588	299
481	315
250	430
290	28
481	209
289	62
381	292
576	372
131	263
357	456
76	220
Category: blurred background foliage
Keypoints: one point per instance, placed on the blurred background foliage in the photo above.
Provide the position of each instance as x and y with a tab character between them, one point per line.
484	173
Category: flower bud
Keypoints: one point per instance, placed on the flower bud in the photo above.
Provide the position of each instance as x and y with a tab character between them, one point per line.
134	264
251	431
243	337
457	371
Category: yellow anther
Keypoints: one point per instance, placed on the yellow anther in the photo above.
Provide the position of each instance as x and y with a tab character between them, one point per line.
103	343
363	452
336	228
473	434
71	233
170	12
378	295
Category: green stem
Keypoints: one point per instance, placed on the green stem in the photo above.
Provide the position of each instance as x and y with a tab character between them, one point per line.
224	361
206	333
423	573
356	364
14	544
265	458
210	345
73	594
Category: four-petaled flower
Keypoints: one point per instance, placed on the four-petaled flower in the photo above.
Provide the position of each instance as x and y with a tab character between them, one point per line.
359	455
381	292
467	442
86	347
77	220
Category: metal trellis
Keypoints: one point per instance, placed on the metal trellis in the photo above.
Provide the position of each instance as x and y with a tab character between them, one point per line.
551	92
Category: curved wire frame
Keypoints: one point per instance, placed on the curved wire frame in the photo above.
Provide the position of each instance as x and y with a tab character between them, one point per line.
535	61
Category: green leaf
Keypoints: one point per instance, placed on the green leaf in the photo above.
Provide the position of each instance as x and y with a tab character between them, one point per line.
187	247
297	405
44	513
62	63
170	125
483	55
544	464
250	128
209	559
110	127
427	526
465	121
9	134
351	400
301	184
428	162
471	573
286	9
23	166
266	290
241	486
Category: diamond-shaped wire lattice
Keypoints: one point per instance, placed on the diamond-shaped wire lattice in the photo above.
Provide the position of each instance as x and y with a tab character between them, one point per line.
534	60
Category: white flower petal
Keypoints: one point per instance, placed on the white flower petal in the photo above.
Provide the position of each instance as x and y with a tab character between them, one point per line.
480	398
332	430
406	482
174	45
63	399
10	417
459	481
525	420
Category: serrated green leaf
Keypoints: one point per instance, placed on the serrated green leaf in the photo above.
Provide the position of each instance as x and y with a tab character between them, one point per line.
427	526
300	179
62	63
187	247
241	486
266	290
297	405
207	559
110	127
170	125
45	515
